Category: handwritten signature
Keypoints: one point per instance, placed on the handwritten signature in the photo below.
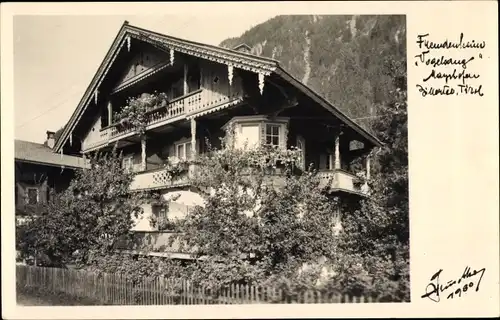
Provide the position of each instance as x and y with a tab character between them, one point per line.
453	288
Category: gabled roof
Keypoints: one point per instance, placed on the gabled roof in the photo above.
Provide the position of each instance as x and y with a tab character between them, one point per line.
37	153
235	58
242	46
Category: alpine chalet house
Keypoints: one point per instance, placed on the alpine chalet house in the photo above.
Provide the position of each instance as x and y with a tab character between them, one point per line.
37	171
204	88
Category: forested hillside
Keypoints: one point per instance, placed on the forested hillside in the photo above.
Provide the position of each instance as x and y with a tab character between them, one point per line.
344	58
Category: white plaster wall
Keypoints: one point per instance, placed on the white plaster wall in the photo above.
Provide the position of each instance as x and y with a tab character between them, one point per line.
180	199
177	209
247	135
344	181
142	223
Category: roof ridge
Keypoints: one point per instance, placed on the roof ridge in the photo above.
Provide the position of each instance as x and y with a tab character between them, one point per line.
248	55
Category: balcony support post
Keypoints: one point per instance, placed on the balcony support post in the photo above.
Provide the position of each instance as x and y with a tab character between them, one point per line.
185	79
193	138
365	188
143	152
337	152
368	167
110	113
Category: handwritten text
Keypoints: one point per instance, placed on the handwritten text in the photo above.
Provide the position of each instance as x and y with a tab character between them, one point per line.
447	66
470	280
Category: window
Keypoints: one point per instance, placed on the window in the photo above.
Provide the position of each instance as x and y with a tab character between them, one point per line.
272	134
128	164
183	150
254	131
248	136
356	145
33	196
159	211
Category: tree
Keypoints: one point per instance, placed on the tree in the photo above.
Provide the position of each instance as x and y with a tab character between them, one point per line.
374	247
90	215
262	219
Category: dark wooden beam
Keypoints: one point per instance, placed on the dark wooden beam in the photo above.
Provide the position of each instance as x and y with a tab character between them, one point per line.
289	96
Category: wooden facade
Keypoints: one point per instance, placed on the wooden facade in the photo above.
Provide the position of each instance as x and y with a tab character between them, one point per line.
208	87
34	184
38	173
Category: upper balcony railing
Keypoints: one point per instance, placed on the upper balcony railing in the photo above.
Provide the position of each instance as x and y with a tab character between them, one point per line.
174	110
339	180
159	178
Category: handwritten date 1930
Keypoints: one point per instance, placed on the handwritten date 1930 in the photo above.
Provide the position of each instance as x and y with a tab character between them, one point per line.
453	288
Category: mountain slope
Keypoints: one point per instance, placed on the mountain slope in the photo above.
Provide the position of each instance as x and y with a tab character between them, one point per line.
341	57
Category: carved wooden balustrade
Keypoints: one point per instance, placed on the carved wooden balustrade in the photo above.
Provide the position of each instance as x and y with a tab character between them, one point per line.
174	110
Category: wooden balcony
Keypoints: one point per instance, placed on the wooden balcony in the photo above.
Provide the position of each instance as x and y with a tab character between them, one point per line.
159	179
175	110
341	180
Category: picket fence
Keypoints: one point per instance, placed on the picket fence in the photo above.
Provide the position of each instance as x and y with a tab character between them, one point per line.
116	289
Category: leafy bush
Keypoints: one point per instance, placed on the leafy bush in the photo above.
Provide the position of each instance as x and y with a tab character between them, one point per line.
260	218
134	114
91	214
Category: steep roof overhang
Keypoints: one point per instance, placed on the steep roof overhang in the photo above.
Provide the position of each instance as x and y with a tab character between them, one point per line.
237	59
49	164
328	106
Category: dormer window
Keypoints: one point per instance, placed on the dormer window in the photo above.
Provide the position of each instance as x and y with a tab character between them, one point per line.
253	131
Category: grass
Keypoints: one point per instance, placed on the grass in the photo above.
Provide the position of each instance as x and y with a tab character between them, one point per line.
36	297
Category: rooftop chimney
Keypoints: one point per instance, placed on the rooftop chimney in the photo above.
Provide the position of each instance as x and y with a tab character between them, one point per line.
50	139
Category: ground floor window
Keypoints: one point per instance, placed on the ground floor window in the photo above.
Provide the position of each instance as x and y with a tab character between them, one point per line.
128	164
33	196
183	150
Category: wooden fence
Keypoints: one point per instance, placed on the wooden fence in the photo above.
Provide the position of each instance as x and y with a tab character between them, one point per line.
116	289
